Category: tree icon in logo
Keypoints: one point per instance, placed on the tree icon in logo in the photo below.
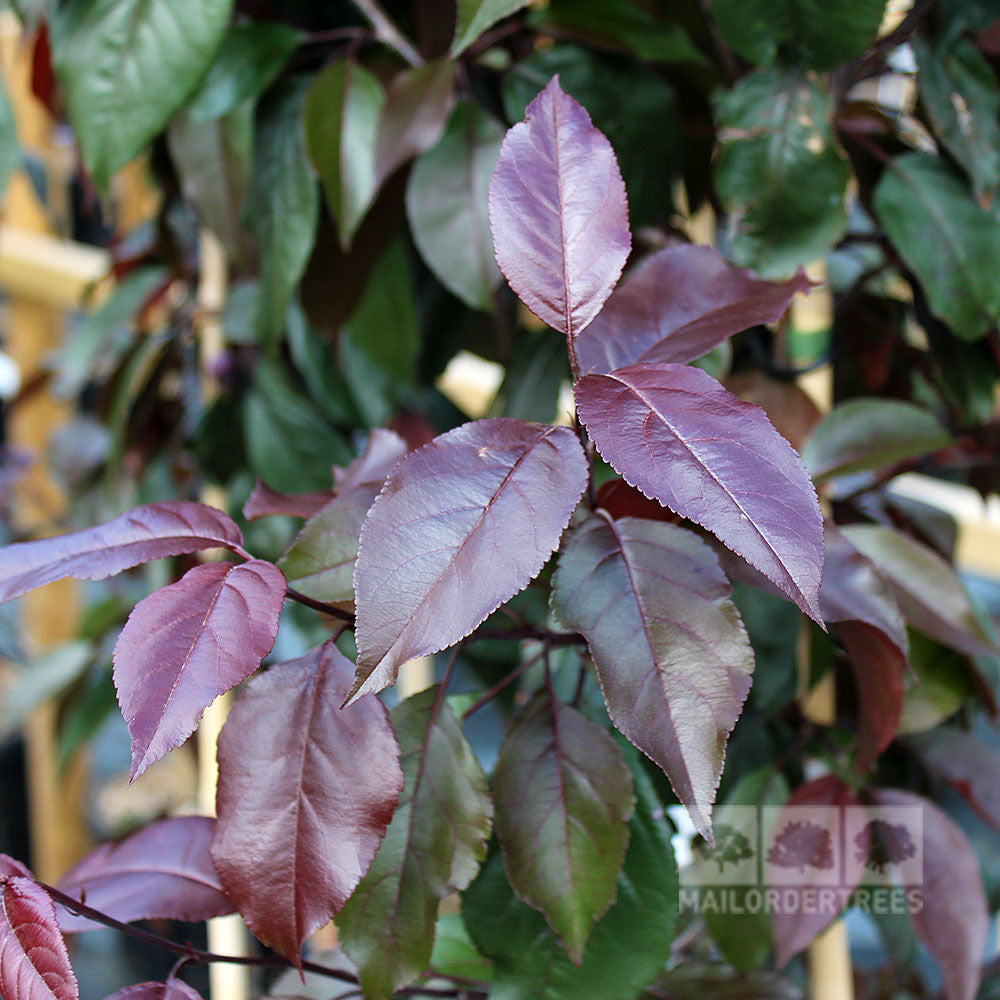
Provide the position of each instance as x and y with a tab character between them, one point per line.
731	847
882	843
802	844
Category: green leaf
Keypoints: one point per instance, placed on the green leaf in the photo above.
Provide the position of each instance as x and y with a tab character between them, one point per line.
864	434
696	980
476	16
85	714
946	238
342	114
780	172
10	148
817	34
646	130
283	206
434	846
454	952
249	59
315	362
446	203
290	446
629	945
960	93
536	370
126	66
213	161
938	687
563	798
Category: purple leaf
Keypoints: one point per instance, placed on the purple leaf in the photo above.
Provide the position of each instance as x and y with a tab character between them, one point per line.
384	449
460	526
173	989
34	964
153	531
563	799
558	213
674	432
799	920
186	644
670	650
164	871
306	790
954	920
11	866
677	305
264	502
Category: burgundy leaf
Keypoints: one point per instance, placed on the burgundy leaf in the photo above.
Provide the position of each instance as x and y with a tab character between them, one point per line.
971	766
954	920
34	964
558	212
173	989
677	305
620	499
263	502
674	432
164	871
460	526
11	866
186	644
799	920
384	449
306	790
153	531
670	650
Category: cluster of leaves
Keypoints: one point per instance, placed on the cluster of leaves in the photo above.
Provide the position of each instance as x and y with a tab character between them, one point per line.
378	216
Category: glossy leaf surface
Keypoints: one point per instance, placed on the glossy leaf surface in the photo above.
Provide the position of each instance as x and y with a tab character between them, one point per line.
563	798
676	306
434	846
306	791
460	526
671	652
558	212
34	964
154	531
674	432
189	642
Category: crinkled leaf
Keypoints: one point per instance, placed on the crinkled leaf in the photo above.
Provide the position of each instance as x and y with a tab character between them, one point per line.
173	989
674	432
126	66
799	920
954	921
529	961
930	594
563	799
676	306
306	791
34	964
446	203
780	173
473	17
434	846
153	531
460	526
671	652
342	114
189	642
947	239
558	212
864	434
163	872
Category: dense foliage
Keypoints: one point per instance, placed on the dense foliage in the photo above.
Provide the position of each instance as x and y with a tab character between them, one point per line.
640	592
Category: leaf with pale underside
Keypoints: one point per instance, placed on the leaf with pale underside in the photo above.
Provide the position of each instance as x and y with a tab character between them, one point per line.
383	450
163	872
189	642
434	846
670	650
558	212
677	305
306	791
34	964
154	531
674	432
563	799
460	527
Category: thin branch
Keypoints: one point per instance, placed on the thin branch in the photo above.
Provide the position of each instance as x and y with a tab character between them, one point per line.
529	632
387	32
503	683
321	606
